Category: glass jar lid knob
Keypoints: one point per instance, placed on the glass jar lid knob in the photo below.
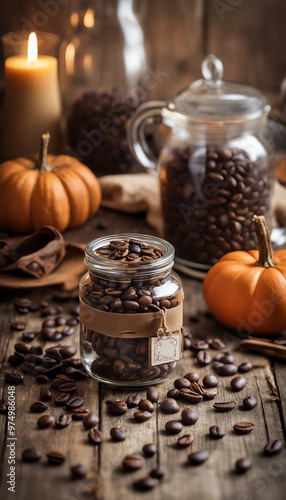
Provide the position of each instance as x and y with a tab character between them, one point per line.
212	70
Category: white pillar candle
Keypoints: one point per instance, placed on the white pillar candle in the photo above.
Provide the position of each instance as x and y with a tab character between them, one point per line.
32	103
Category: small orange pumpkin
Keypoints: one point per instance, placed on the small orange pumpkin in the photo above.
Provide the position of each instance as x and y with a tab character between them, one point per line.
52	190
247	290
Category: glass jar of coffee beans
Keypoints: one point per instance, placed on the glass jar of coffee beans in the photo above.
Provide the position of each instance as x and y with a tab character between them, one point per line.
104	70
130	310
215	167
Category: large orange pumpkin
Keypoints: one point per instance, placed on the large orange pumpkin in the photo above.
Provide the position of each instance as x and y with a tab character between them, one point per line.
247	290
52	190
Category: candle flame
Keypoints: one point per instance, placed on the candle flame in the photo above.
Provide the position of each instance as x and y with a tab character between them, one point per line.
32	48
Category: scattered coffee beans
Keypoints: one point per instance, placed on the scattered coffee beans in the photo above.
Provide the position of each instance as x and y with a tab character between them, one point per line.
189	416
78	471
149	449
146	405
152	394
158	472
174	426
210	381
38	407
79	413
117	434
243	427
216	432
142	416
198	457
273	447
169	406
185	440
94	436
224	406
90	420
62	421
31	455
146	483
181	383
117	408
133	400
45	421
173	394
249	403
203	358
245	367
133	462
243	465
14	378
56	457
238	383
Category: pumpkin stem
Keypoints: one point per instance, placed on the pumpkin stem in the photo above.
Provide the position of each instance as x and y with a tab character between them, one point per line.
264	242
43	165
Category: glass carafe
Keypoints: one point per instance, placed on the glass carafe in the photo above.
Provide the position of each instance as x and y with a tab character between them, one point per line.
215	169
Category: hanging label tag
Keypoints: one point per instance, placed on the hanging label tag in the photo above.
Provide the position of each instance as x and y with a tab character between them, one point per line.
164	350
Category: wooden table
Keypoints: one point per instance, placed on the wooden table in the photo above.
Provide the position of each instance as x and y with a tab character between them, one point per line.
214	480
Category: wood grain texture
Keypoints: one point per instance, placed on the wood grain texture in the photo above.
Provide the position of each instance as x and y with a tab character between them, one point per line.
215	479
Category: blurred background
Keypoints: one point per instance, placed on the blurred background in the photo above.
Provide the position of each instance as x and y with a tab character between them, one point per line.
249	36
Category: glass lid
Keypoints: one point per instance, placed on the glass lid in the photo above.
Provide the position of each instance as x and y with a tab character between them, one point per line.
212	99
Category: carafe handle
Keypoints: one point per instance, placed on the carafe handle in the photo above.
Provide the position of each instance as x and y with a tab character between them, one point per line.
145	115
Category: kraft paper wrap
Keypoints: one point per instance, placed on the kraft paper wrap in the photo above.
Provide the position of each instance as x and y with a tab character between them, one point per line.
138	325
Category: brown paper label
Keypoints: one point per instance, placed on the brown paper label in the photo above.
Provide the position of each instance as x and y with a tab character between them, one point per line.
165	349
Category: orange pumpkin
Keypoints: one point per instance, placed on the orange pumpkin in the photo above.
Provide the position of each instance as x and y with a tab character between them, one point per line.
54	191
247	290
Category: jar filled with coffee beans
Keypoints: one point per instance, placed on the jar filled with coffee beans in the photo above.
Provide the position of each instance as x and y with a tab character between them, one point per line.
215	167
104	70
131	304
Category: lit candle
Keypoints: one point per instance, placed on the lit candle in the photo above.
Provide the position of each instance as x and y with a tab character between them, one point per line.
32	103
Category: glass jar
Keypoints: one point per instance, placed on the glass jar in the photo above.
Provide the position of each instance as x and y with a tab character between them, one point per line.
127	307
215	169
103	82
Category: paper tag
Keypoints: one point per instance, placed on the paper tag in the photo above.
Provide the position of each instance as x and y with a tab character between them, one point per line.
164	350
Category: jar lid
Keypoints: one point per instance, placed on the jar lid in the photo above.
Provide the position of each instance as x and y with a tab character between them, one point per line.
212	99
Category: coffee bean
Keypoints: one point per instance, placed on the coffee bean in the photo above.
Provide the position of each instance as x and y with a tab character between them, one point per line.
67	351
190	395
224	406
67	387
18	326
149	449
210	394
152	394
42	379
117	407
142	416
273	447
36	349
49	322
199	345
198	457
174	426
31	455
216	432
49	311
243	427
15	359
217	344
78	471
117	434
242	465
79	413
146	405
173	394
203	358
74	402
192	377
56	457
210	381
189	416
185	440
62	399
14	378
94	436
181	383
38	407
22	348
227	370
245	367
60	379
62	421
158	472
45	394
146	483
238	383
45	421
249	403
90	420
133	400
29	336
133	462
72	322
169	406
227	358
